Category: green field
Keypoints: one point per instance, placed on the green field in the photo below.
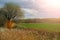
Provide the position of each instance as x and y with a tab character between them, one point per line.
55	27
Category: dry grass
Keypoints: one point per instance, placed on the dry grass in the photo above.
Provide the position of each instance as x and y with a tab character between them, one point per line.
27	34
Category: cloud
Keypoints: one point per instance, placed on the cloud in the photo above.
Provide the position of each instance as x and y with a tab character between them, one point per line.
32	13
29	13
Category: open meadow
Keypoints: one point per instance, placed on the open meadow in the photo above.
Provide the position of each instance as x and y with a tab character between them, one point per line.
51	27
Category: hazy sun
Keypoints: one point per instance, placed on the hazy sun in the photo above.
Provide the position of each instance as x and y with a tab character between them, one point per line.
53	3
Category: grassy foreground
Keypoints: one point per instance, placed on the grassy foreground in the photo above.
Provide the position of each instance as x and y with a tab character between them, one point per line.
32	31
53	27
27	34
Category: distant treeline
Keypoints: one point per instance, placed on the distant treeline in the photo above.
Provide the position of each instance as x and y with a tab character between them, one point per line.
44	20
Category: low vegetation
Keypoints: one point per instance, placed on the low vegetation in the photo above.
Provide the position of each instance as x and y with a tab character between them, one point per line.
51	27
27	34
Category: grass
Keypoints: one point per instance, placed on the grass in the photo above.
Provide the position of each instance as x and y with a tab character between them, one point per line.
26	34
29	34
53	27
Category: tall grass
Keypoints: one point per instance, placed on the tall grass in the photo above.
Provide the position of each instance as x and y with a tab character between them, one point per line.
27	34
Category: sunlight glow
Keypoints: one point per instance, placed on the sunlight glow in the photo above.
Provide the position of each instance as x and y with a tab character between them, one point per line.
53	3
50	7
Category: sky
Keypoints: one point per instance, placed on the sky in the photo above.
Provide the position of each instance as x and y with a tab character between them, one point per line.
37	8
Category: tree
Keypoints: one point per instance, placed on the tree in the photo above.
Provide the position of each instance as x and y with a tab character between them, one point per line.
2	19
11	11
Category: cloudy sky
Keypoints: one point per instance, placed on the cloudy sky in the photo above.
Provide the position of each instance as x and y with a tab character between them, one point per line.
38	8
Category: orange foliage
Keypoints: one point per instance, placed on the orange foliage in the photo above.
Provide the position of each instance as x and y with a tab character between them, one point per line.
10	24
